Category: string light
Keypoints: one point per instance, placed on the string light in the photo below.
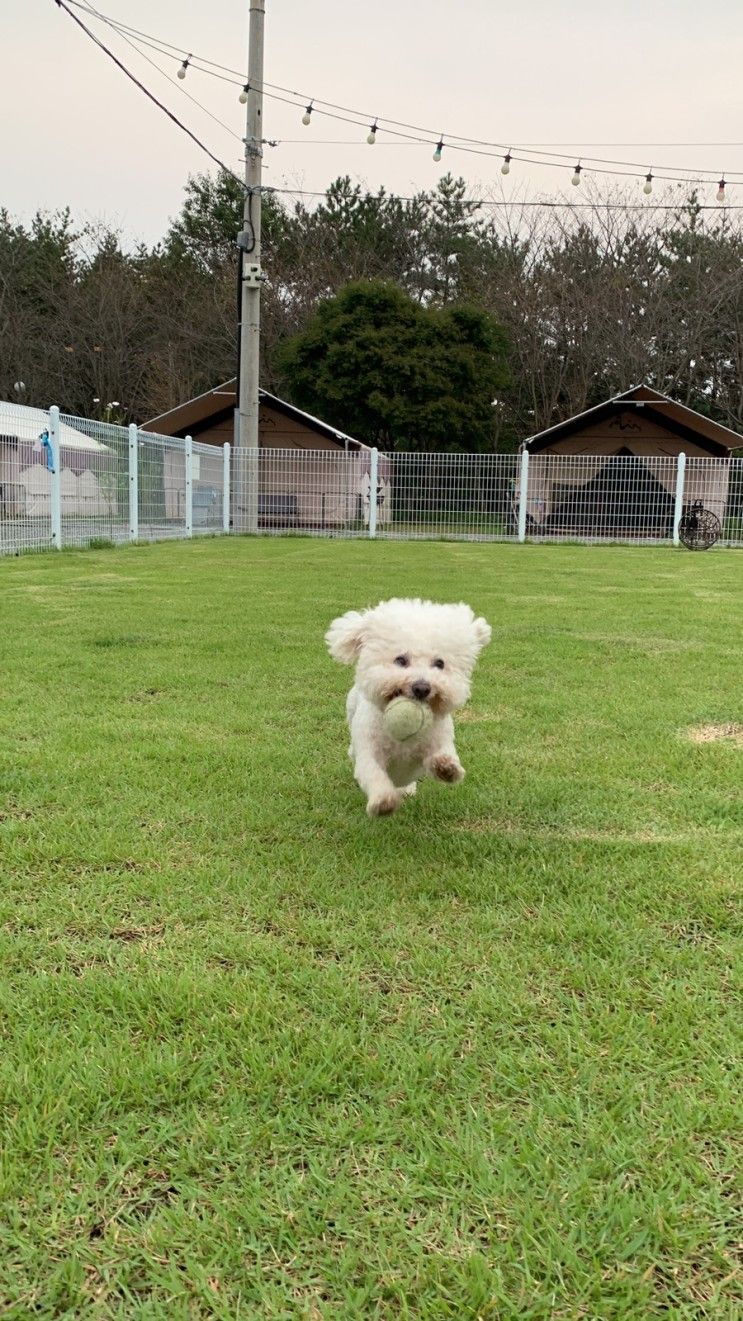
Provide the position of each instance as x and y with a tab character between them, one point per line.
168	49
506	166
439	149
648	185
392	127
576	175
243	97
372	135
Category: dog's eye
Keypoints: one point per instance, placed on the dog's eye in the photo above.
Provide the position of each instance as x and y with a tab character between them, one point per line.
438	664
402	660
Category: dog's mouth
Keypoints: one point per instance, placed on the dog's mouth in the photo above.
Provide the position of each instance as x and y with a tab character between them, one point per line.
410	696
432	699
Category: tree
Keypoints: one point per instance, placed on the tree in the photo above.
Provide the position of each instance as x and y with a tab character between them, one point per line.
211	218
591	299
376	364
37	276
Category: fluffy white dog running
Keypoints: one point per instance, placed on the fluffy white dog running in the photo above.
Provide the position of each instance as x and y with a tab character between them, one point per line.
414	649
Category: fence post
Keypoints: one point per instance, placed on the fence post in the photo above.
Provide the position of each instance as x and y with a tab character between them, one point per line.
189	485
373	487
679	503
55	494
226	486
523	494
133	482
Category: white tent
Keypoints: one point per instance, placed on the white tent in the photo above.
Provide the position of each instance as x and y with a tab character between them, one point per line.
23	423
87	467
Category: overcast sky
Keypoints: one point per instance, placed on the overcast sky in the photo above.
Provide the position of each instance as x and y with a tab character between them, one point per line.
561	74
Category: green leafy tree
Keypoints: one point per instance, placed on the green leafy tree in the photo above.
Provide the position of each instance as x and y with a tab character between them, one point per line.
37	277
211	218
377	364
591	300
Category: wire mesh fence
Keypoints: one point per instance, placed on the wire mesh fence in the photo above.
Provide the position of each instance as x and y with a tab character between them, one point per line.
733	524
316	492
68	481
25	479
208	489
93	481
600	498
717	484
161	487
468	497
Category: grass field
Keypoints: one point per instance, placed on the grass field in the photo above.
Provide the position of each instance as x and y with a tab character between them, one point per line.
262	1057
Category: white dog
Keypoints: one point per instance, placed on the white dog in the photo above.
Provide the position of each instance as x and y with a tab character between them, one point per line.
418	650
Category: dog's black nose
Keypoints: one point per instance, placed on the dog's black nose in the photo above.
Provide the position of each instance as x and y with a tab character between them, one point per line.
420	689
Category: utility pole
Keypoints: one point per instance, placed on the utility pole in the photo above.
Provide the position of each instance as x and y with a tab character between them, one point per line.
249	241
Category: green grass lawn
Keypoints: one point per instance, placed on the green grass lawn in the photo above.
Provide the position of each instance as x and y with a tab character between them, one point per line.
263	1057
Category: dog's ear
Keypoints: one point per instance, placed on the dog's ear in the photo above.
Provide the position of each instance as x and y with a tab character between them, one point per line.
345	636
483	633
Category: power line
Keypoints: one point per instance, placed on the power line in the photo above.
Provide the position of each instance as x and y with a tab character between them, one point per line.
537	145
453	142
547	204
182	90
158	43
61	5
479	202
412	142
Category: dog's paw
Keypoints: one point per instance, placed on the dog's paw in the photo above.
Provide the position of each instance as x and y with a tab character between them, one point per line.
384	804
410	790
447	769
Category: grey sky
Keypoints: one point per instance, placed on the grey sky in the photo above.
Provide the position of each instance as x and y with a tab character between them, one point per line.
76	133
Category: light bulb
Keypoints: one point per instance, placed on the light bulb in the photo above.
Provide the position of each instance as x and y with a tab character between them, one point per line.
243	97
372	134
721	191
506	166
307	116
182	71
648	185
576	176
439	149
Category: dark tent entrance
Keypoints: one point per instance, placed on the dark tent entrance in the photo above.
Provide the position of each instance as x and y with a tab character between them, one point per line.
622	498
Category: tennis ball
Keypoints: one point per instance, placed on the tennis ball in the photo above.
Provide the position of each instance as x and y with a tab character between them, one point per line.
404	718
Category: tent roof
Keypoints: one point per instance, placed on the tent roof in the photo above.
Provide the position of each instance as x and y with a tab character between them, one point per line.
208	406
709	435
24	423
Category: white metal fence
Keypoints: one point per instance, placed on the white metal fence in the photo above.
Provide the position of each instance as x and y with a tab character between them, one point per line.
67	481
